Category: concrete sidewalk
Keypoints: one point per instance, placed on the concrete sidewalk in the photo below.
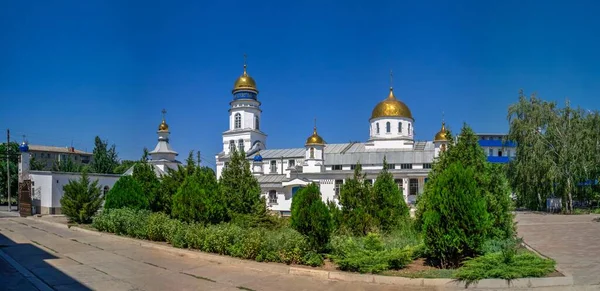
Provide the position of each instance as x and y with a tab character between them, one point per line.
72	260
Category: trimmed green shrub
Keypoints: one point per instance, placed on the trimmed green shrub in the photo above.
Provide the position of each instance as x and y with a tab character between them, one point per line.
310	216
199	199
313	259
81	199
158	226
126	192
498	265
123	221
456	222
144	174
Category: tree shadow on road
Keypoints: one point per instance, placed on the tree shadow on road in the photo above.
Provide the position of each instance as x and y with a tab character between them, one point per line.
24	265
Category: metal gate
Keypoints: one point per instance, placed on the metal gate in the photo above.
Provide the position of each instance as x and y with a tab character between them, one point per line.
25	198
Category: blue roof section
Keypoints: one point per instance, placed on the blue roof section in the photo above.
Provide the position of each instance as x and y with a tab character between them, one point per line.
499	160
497	143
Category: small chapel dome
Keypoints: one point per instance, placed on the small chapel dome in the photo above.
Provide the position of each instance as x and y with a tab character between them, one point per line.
258	158
244	82
163	126
391	107
24	147
442	134
315	139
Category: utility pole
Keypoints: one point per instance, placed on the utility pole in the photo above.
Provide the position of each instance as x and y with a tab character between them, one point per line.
8	166
198	152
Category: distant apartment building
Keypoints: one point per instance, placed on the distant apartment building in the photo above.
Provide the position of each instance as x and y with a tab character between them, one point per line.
48	155
496	148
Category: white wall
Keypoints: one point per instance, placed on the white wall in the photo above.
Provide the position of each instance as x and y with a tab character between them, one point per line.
50	185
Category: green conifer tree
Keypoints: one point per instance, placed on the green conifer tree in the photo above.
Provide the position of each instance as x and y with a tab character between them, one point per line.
199	199
127	192
240	188
310	216
81	200
389	205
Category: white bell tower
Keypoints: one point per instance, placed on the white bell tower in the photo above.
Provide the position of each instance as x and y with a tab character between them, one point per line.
244	131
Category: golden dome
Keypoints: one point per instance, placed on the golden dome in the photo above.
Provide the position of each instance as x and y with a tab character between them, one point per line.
315	139
441	135
163	126
245	82
391	107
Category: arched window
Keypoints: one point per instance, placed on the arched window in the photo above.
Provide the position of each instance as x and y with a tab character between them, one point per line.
238	121
400	127
409	129
231	145
388	127
106	188
256	123
312	153
241	145
272	197
377	125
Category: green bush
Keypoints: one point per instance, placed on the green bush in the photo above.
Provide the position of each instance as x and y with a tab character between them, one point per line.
389	207
126	193
313	259
124	221
498	265
310	216
81	199
158	226
199	199
368	254
456	222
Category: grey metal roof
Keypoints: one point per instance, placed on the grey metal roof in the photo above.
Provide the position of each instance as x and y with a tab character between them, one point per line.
351	153
271	178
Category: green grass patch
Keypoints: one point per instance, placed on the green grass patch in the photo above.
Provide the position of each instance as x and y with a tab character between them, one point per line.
502	266
428	274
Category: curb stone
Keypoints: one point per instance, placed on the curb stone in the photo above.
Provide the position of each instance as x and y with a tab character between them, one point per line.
565	281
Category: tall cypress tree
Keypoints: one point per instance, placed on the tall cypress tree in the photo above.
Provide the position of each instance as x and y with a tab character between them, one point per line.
389	205
356	199
240	188
104	159
143	173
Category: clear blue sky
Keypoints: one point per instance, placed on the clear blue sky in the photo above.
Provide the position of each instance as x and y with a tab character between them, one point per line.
71	70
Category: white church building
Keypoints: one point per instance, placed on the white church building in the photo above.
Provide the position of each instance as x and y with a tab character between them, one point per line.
281	172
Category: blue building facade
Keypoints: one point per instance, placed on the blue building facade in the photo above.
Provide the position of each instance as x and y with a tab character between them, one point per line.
496	149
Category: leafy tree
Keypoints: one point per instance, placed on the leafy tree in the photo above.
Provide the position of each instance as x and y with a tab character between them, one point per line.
356	199
67	166
81	199
456	222
104	159
12	167
557	152
310	216
199	199
126	192
123	166
169	185
144	174
240	188
389	205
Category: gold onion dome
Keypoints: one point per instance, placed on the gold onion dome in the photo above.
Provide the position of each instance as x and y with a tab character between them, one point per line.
315	139
163	126
441	135
391	107
244	82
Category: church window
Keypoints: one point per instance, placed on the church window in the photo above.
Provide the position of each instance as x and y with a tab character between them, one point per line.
312	153
336	167
272	197
413	187
391	166
405	166
499	153
241	145
377	125
400	127
256	123
291	163
273	166
337	188
231	145
238	121
388	127
409	129
352	167
426	166
490	152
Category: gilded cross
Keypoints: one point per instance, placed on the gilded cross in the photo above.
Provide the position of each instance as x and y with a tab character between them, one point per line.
164	111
